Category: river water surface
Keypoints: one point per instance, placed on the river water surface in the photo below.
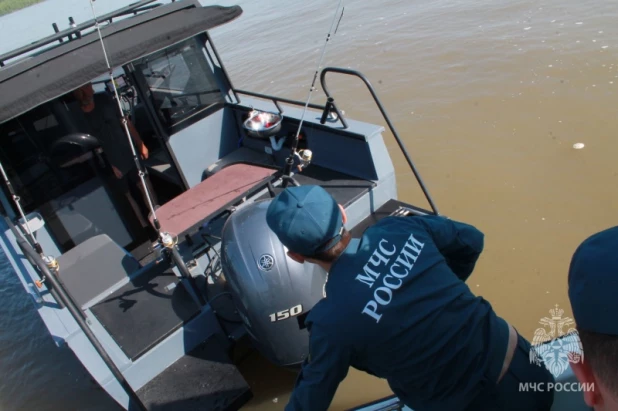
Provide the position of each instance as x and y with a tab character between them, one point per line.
489	98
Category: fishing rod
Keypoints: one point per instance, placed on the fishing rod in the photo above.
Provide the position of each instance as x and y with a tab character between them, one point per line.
165	237
17	201
290	160
49	260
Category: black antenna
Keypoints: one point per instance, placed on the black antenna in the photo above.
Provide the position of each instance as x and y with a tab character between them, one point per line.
55	26
78	34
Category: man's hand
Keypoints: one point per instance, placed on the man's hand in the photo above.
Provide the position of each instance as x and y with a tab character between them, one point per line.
117	172
137	140
322	372
144	151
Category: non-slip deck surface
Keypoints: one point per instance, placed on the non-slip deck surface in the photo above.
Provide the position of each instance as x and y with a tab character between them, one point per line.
343	187
205	379
145	311
387	209
93	266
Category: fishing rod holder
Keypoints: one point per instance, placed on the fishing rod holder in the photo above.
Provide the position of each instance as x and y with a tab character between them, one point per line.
386	118
332	113
168	246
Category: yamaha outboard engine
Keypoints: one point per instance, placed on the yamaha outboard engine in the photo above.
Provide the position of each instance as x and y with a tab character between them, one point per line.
271	291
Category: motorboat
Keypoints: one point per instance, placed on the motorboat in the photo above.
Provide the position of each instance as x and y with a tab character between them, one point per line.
152	293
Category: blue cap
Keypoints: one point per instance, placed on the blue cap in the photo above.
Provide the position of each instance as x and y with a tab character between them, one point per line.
306	219
593	283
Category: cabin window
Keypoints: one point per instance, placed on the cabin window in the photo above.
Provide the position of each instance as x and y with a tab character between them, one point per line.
181	82
25	153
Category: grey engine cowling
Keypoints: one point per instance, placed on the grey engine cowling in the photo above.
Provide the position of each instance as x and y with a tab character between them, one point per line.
271	291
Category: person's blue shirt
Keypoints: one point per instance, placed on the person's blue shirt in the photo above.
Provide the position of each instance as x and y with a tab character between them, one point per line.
397	307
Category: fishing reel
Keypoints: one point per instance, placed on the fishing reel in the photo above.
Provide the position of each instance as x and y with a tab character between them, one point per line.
164	244
304	157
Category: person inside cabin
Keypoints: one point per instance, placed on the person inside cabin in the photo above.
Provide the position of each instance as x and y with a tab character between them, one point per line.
396	306
103	121
593	286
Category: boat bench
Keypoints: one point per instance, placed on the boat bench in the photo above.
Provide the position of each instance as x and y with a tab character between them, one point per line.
94	266
244	155
206	200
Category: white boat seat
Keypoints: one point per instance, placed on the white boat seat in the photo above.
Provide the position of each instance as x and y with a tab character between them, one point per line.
92	267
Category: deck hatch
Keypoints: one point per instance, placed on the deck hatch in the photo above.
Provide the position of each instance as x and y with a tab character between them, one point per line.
203	379
145	311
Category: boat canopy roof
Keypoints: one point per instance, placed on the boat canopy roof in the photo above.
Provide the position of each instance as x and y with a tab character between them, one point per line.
37	79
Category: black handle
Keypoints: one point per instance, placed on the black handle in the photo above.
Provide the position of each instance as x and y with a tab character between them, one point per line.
388	121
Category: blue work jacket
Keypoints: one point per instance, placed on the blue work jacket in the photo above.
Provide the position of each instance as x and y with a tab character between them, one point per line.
397	306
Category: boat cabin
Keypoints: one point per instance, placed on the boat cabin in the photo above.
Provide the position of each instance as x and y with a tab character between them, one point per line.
176	98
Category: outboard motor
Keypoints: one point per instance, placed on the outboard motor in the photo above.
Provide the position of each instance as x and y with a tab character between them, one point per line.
271	291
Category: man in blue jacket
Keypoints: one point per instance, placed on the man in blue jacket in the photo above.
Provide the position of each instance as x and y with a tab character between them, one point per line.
593	286
396	306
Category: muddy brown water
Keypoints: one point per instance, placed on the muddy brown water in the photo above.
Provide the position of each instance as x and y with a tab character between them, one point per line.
489	98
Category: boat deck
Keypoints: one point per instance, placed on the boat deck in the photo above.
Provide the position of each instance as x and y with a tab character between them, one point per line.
146	310
344	188
139	307
188	384
387	209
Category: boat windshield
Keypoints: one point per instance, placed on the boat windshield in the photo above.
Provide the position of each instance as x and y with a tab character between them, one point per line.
180	81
